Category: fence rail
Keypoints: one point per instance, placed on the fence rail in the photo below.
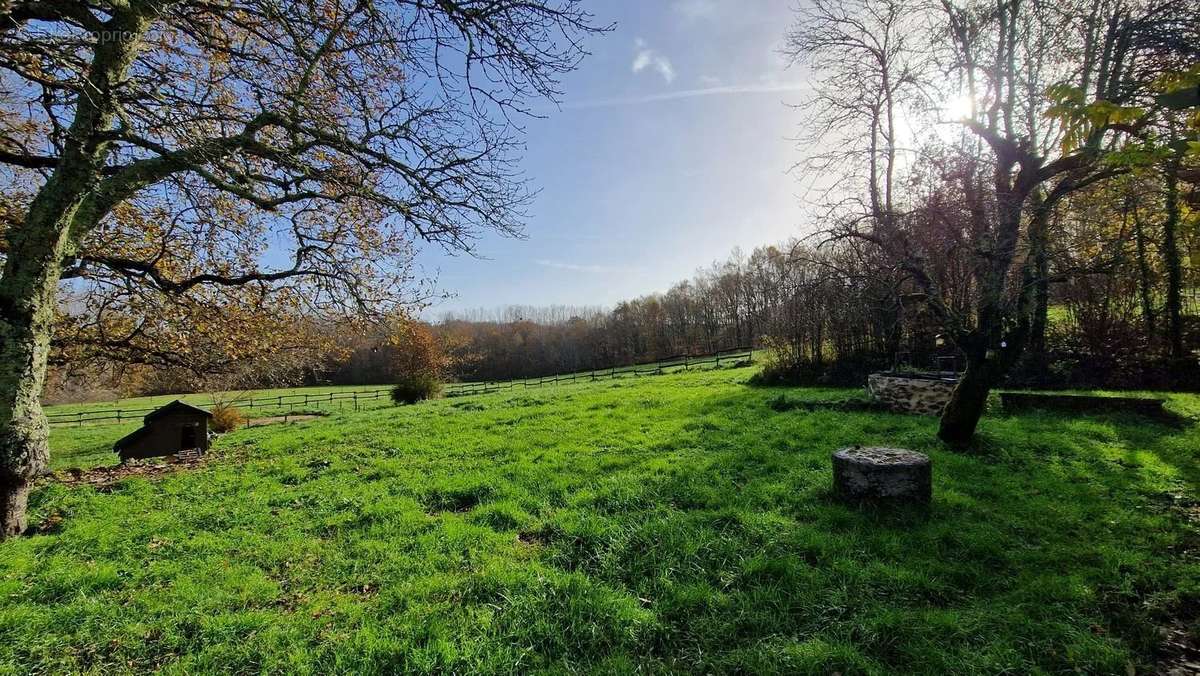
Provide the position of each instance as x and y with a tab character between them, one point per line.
682	361
290	401
356	397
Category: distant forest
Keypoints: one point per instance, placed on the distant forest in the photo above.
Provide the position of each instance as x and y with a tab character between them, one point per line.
831	315
826	316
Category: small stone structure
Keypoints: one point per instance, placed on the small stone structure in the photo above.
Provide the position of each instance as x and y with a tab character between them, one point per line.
879	474
911	393
174	429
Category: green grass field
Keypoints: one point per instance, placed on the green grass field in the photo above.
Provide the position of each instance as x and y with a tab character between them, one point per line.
671	523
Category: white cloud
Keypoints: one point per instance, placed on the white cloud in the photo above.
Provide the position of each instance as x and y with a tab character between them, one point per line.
695	9
764	88
644	57
577	267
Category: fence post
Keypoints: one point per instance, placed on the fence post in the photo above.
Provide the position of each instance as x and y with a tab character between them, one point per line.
685	362
118	416
81	418
356	401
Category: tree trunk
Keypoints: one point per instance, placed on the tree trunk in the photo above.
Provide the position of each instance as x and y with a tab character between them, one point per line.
28	301
1172	260
1038	241
1041	308
27	305
1145	290
966	404
65	209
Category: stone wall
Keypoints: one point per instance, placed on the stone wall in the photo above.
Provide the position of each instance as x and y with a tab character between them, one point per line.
924	396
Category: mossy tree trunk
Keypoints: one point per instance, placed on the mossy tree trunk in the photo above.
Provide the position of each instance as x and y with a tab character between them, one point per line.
1002	326
1145	279
66	208
1038	277
27	304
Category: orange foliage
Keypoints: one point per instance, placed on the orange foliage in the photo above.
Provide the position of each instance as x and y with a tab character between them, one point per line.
413	350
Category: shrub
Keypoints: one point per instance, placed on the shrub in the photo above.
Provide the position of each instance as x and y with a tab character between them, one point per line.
412	389
785	364
226	417
390	353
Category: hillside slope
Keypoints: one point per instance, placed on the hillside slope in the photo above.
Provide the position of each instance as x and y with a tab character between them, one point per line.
670	523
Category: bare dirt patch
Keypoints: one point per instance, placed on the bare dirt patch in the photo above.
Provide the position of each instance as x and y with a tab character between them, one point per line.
1180	654
532	539
1179	649
105	477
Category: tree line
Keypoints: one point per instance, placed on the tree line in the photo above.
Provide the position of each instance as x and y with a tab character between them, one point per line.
831	315
783	296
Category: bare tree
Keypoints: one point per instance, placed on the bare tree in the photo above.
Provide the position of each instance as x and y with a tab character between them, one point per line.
867	72
183	146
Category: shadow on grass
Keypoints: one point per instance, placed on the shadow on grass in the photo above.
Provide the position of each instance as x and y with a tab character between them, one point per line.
1043	518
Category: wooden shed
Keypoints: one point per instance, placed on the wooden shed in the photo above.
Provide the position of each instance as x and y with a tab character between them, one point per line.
171	430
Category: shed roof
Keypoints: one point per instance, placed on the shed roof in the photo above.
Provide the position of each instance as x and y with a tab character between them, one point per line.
176	406
130	438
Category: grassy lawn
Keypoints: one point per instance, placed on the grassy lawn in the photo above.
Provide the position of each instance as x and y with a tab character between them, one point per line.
87	446
666	524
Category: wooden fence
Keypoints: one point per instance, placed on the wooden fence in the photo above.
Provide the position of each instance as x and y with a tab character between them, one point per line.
289	402
683	362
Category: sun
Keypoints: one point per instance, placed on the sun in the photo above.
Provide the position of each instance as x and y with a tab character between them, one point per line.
957	108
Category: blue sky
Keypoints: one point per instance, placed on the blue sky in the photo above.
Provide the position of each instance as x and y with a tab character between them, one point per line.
670	148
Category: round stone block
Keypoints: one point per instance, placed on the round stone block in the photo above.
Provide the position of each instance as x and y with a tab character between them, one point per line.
877	474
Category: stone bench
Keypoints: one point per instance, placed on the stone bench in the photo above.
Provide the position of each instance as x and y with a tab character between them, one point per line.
880	474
